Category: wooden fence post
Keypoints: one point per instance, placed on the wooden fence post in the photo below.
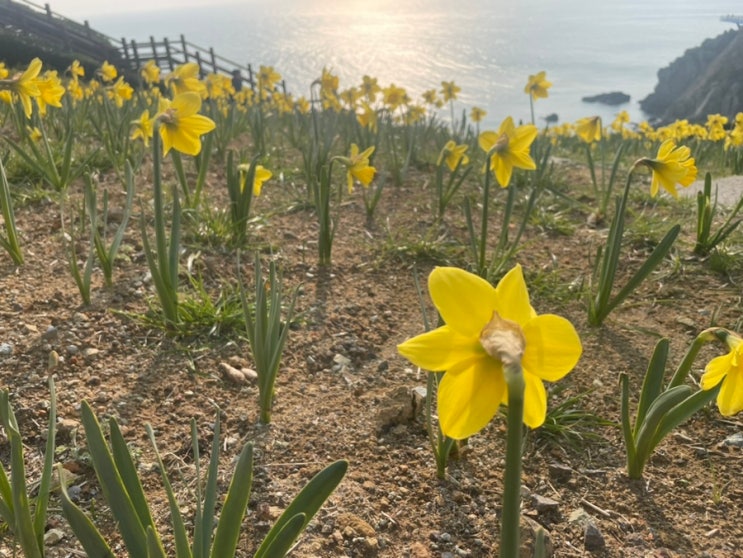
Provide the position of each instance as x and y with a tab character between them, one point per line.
136	56
167	54
124	49
153	47
214	60
184	46
198	61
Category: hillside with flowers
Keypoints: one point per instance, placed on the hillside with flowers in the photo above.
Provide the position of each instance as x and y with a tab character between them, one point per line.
244	323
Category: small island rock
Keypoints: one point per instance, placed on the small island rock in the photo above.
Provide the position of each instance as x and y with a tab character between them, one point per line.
613	98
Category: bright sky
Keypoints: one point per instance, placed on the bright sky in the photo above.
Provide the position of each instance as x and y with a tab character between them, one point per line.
85	9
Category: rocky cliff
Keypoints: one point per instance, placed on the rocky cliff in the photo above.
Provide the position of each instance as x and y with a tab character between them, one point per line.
707	79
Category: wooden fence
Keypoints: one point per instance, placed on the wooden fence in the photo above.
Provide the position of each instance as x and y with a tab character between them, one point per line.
168	54
76	40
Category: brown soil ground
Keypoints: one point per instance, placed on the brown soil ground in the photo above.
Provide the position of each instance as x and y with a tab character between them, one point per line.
344	392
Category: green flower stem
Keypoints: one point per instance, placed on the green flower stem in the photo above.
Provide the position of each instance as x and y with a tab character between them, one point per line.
531	106
481	267
325	221
10	242
510	520
704	337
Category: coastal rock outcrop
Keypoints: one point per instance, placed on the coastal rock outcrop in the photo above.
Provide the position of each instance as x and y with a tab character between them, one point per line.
707	79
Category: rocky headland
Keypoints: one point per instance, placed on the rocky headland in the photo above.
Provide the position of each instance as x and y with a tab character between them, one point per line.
707	79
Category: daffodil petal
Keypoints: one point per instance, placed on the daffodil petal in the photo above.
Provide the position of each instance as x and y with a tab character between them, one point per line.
535	401
716	370
468	399
364	174
441	349
487	140
730	398
197	124
512	297
552	347
464	300
187	103
502	168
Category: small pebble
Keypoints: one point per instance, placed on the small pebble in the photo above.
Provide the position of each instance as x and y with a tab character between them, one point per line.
736	440
6	349
51	334
593	539
53	536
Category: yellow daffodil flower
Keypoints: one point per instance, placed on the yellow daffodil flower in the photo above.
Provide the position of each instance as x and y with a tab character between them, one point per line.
589	129
34	133
3	71
430	97
75	90
509	147
727	369
219	86
268	78
473	386
673	165
477	114
621	119
537	86
328	81
51	92
735	137
261	175
76	70
181	127
302	105
150	73
108	72
370	88
120	91
330	101
394	96
143	128
25	85
449	90
368	118
185	78
358	166
716	127
452	154
415	113
350	97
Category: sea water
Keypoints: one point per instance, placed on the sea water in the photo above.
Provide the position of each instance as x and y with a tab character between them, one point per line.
487	47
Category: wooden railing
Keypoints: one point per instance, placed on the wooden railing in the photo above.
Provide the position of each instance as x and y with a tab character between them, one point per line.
59	32
168	54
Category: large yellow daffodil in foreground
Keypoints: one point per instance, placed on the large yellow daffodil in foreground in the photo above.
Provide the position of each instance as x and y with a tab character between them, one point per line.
181	127
727	369
473	386
25	85
509	148
673	165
